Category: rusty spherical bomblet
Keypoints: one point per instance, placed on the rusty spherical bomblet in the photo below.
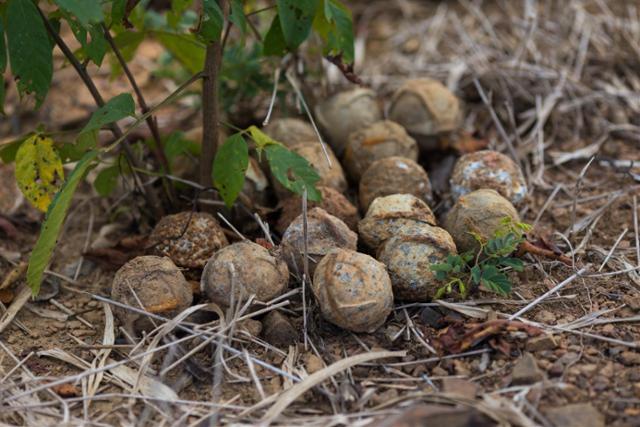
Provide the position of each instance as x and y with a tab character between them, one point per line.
480	212
151	283
243	269
188	238
488	169
389	214
290	131
332	201
426	109
409	255
377	141
345	112
324	232
353	290
394	175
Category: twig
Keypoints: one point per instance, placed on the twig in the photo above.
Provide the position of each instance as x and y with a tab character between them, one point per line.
272	101
547	294
316	378
210	106
158	148
635	228
152	198
296	89
345	69
305	263
528	247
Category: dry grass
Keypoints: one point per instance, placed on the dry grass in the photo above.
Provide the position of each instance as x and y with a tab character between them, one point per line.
550	83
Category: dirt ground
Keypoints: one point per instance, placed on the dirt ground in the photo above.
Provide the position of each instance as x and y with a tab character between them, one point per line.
562	83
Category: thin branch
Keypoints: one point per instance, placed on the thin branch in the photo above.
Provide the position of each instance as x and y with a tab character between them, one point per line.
152	198
158	151
210	106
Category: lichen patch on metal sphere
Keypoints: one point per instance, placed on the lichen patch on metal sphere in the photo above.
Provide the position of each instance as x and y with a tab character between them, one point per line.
409	255
488	169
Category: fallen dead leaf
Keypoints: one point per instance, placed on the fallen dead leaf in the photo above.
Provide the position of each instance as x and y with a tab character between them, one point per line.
462	336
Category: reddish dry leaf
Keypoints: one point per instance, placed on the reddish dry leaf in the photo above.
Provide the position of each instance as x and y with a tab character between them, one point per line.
460	337
465	143
6	296
264	243
66	390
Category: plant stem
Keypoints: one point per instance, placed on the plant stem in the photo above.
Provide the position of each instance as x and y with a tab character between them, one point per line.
151	121
152	198
210	107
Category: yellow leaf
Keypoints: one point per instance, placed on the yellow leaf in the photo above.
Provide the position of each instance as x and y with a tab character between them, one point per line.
39	170
260	138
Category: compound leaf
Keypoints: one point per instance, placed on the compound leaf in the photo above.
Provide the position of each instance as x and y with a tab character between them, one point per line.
495	280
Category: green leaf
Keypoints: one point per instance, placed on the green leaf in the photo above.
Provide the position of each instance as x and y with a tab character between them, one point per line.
514	263
8	151
185	48
293	171
211	21
178	8
495	280
107	180
335	25
237	16
42	251
261	139
440	267
3	66
30	52
274	43
118	10
2	95
117	108
476	274
87	12
296	18
176	145
128	43
229	168
3	49
39	172
96	49
72	152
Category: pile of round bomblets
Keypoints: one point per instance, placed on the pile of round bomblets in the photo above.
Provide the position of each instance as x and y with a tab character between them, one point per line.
399	237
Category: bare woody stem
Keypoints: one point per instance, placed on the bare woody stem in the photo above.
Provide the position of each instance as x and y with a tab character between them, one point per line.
152	198
210	106
151	122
